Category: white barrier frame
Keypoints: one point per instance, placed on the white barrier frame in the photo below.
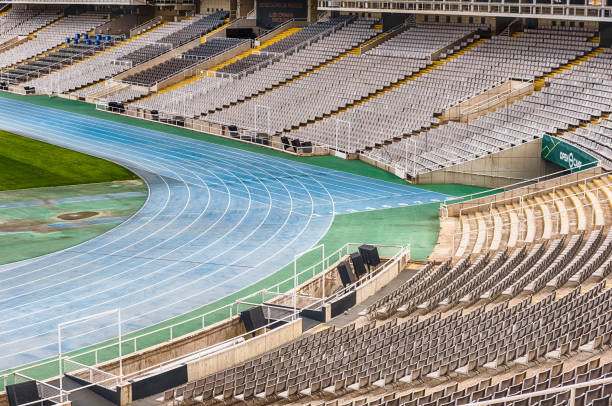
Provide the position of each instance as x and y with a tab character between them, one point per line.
82	319
554	216
326	263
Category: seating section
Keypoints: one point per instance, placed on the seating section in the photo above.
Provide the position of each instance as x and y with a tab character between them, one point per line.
164	70
125	95
322	92
574	96
595	138
352	359
413	106
421	41
52	36
522	383
310	33
24	21
190	30
60	57
107	64
556	212
337	41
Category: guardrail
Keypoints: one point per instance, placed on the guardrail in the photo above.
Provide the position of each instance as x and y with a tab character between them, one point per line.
513	186
555	218
525	196
103	352
148	24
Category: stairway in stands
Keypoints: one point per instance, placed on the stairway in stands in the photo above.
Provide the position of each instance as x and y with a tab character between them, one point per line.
216	30
243	55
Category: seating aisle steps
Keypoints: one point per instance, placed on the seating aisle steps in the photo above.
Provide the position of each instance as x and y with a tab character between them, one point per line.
243	55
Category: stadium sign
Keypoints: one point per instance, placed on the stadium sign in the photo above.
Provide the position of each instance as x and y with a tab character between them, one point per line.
566	155
271	13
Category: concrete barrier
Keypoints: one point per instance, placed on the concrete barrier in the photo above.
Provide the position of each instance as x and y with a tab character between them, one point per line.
455	209
245	351
500	169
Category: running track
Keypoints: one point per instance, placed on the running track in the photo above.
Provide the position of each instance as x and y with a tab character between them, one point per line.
216	220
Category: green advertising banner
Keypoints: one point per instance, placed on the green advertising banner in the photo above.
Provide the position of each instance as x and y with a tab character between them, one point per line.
566	155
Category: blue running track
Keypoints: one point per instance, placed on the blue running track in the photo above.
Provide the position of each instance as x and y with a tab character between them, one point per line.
217	219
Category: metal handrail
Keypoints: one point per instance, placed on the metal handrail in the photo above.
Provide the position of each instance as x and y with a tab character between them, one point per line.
539	192
134	339
150	23
554	214
572	388
513	186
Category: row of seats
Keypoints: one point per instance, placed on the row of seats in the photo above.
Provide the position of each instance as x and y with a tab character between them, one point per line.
105	65
24	21
413	106
191	29
51	36
522	383
336	42
573	96
351	359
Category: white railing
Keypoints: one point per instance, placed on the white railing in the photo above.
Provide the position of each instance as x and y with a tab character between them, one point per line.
219	314
523	223
497	98
148	24
540	192
551	391
494	8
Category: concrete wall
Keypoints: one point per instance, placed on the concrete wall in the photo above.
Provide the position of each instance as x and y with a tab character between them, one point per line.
209	6
185	345
490	21
496	170
454	209
245	351
488	101
119	25
204	66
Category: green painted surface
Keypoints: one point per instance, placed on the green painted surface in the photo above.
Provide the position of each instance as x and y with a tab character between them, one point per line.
566	155
29	231
27	163
416	225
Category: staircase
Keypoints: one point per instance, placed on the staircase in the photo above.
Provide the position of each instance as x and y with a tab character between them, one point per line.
265	44
210	34
506	31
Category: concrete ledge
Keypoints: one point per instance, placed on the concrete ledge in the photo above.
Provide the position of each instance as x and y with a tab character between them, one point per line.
488	101
245	351
454	209
500	169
